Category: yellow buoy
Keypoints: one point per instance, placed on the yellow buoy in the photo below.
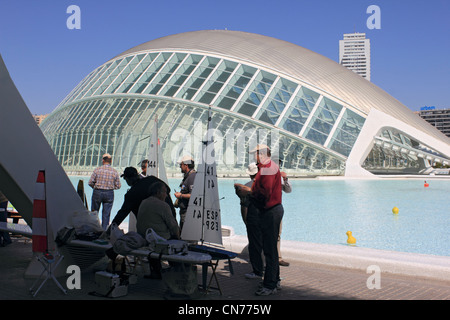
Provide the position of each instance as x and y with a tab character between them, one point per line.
351	239
395	210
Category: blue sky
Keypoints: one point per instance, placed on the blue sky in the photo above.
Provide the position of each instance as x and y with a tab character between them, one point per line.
410	53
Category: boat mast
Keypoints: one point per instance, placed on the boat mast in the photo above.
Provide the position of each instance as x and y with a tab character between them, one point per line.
204	158
157	146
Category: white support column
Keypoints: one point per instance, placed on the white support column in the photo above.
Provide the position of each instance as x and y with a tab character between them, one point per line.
375	122
18	174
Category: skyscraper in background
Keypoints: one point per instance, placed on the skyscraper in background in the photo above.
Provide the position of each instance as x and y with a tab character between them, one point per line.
354	53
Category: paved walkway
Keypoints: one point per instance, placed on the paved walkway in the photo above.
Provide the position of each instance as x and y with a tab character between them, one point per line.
300	281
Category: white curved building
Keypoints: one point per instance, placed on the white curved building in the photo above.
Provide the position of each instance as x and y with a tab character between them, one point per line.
318	116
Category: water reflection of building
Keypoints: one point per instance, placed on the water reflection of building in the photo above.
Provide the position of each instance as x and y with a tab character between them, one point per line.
327	119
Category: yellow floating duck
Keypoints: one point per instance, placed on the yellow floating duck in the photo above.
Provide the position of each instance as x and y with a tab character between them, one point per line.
395	210
351	239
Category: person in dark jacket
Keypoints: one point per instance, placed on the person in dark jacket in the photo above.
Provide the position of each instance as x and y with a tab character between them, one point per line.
138	192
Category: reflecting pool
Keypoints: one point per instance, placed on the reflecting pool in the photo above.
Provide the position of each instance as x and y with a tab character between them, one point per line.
322	211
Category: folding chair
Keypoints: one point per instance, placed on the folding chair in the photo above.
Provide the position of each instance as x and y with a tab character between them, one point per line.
217	255
40	237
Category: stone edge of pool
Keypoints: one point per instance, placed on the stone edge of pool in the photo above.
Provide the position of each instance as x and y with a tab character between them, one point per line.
354	257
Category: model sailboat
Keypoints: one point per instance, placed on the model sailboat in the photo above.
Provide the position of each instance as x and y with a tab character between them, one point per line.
155	166
203	213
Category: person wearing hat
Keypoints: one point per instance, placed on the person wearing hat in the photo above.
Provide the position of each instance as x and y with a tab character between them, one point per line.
265	194
104	180
250	216
140	190
144	166
155	213
251	170
187	184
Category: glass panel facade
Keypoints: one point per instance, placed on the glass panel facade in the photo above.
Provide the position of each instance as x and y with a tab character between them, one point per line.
347	132
121	97
198	78
150	73
123	127
97	76
299	110
181	75
216	81
129	82
276	103
235	87
109	76
323	121
164	74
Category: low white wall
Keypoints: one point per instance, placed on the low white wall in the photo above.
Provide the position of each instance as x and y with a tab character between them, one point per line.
353	257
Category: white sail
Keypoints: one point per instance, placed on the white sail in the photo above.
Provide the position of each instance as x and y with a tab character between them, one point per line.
203	221
155	166
155	161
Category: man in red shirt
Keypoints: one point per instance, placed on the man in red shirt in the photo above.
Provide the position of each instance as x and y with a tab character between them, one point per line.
266	189
265	194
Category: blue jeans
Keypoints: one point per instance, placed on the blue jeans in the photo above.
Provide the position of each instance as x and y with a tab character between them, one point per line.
270	229
4	236
105	198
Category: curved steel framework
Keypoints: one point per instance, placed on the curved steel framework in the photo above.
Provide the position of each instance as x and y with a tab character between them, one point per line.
112	108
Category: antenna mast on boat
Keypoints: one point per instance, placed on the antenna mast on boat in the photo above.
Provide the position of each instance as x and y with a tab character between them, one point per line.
157	146
205	159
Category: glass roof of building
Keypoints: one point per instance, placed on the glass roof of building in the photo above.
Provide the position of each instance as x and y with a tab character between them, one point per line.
246	90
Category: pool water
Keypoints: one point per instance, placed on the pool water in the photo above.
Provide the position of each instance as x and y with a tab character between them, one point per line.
322	211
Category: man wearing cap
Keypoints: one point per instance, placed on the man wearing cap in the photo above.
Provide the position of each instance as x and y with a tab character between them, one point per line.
265	194
140	190
104	180
187	184
144	166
